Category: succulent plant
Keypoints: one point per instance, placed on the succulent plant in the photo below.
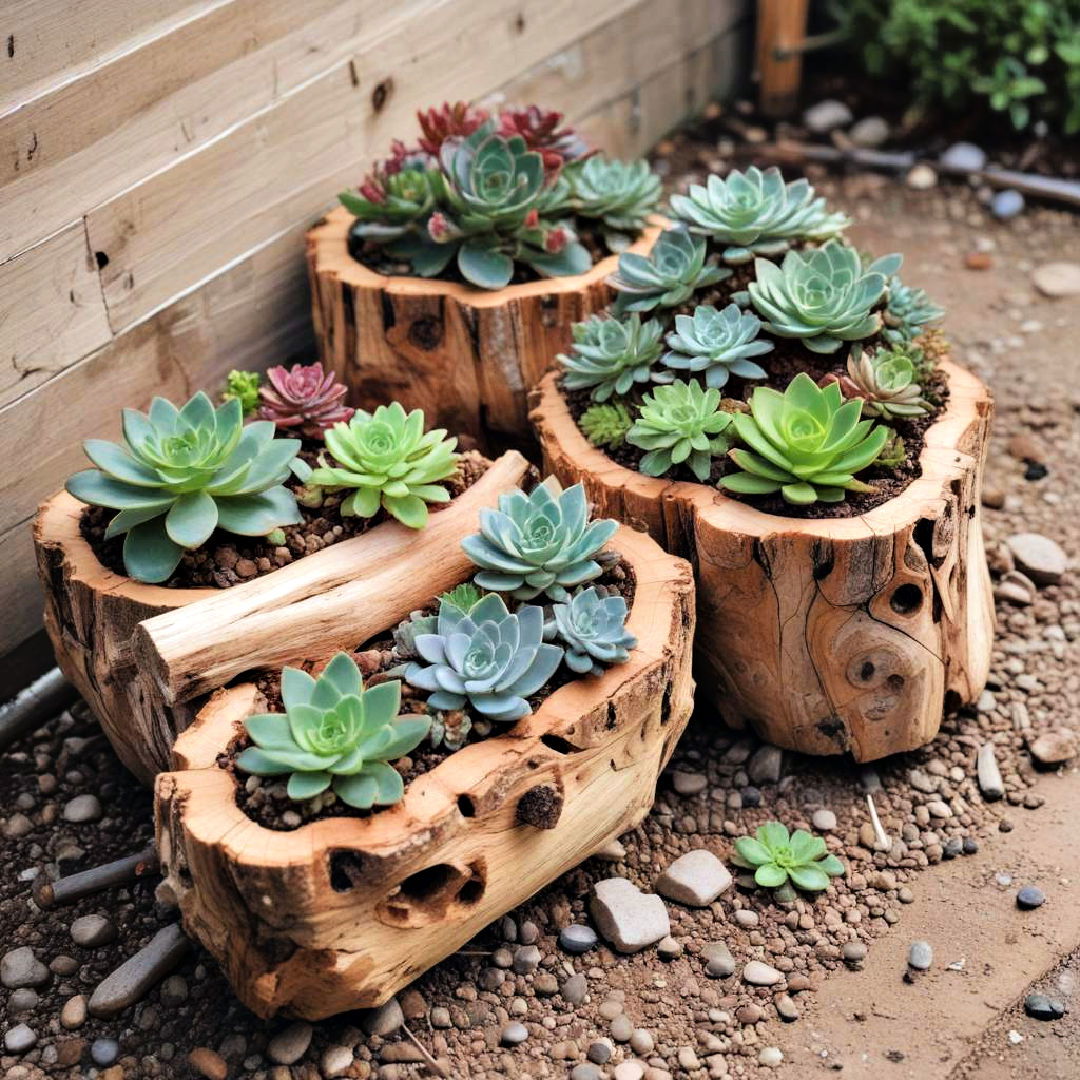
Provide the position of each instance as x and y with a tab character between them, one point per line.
440	123
591	624
718	343
756	213
893	453
807	443
335	734
606	425
885	380
777	858
821	295
541	132
244	386
680	423
908	312
542	542
388	459
491	659
611	355
464	596
305	397
622	194
387	204
666	277
183	473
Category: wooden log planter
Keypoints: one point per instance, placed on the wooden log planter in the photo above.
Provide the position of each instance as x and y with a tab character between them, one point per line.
342	912
831	635
466	356
143	656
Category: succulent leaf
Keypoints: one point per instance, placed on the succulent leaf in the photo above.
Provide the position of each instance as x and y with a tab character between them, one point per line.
668	276
717	343
610	355
591	624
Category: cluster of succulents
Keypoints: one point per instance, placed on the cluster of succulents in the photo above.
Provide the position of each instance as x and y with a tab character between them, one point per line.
490	192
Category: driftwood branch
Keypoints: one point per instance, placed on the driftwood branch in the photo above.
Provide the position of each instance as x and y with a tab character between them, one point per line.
50	894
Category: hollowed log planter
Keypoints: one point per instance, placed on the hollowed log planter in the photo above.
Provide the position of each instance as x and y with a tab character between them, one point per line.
343	912
831	635
144	656
466	356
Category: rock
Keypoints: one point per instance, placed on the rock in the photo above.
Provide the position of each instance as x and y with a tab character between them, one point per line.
826	116
750	1013
938	809
384	1020
786	1009
770	1056
629	1070
526	959
764	765
73	1014
920	955
612	851
719	963
287	1047
990	782
90	931
513	1034
668	949
1057	279
823	820
131	981
17	825
600	1051
585	1071
529	933
758	973
853	953
1055	746
1007	204
103	1052
921	178
869	132
1041	1007
695	879
978	260
746	918
1030	897
686	783
642	1042
22	1000
336	1061
964	157
82	809
20	967
574	989
20	1039
577	938
213	1066
627	917
1039	557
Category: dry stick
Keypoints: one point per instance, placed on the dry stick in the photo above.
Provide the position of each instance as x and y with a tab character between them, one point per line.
39	702
880	834
48	894
433	1065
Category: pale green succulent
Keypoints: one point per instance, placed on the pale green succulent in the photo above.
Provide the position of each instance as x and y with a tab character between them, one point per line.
609	355
666	277
718	343
893	453
622	194
542	542
335	734
490	659
885	380
388	459
183	473
591	624
756	213
680	423
606	425
244	386
464	596
779	859
822	295
807	443
908	312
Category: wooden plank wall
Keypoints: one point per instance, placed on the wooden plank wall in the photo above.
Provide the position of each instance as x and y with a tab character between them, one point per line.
161	159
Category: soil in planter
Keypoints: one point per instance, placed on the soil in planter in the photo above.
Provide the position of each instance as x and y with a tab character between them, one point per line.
264	799
226	559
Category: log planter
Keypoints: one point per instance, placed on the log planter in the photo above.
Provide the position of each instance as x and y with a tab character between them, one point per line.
466	356
343	912
144	656
832	635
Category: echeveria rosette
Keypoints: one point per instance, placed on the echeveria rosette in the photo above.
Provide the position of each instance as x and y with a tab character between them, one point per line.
779	859
807	443
680	423
609	356
490	659
336	734
718	344
542	542
908	312
885	379
386	206
305	397
822	296
592	627
620	194
668	276
181	474
388	460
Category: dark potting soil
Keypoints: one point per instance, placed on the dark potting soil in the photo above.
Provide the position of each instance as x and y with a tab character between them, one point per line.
226	559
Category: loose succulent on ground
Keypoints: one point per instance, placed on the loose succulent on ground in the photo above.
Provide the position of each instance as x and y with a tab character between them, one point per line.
680	423
464	596
822	295
183	473
893	453
244	386
609	355
777	858
807	443
756	213
538	543
591	624
335	734
388	460
666	277
304	397
490	659
885	381
606	425
620	194
717	343
907	312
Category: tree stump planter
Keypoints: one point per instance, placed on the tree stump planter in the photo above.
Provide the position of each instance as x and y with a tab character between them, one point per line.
831	635
343	912
466	356
143	655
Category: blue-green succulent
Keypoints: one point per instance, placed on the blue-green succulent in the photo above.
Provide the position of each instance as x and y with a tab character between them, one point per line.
908	312
718	344
591	624
609	356
668	276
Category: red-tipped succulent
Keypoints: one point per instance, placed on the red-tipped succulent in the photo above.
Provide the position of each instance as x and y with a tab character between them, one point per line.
304	396
541	132
438	125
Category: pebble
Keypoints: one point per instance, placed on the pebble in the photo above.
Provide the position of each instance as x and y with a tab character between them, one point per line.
82	809
642	1042
577	938
823	820
513	1034
1055	746
629	1070
384	1020
1007	204
584	1071
920	955
90	931
288	1046
786	1009
1030	897
1039	557
23	1000
770	1056
719	963
854	953
1041	1007
669	949
964	156
526	959
213	1066
131	981
103	1052
695	879
686	783
20	1039
826	116
574	989
758	973
600	1051
622	1027
1057	279
630	919
20	967
765	764
73	1014
869	132
990	782
921	178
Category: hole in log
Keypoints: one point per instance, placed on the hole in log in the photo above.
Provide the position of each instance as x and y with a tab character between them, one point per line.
953	702
895	683
923	535
427	895
381	94
822	558
426	332
866	672
346	870
665	707
429	882
906	599
612	719
540	807
471	891
557	743
389	317
466	806
101	259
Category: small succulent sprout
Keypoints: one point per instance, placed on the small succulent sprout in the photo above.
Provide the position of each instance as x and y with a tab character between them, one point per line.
591	624
666	277
606	425
538	543
335	734
756	213
822	295
908	312
777	858
609	355
718	343
807	443
406	631
490	659
621	194
388	460
304	397
885	380
893	453
464	596
680	423
244	386
450	729
183	473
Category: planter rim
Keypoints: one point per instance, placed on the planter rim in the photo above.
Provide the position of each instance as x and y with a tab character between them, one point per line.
328	244
968	396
